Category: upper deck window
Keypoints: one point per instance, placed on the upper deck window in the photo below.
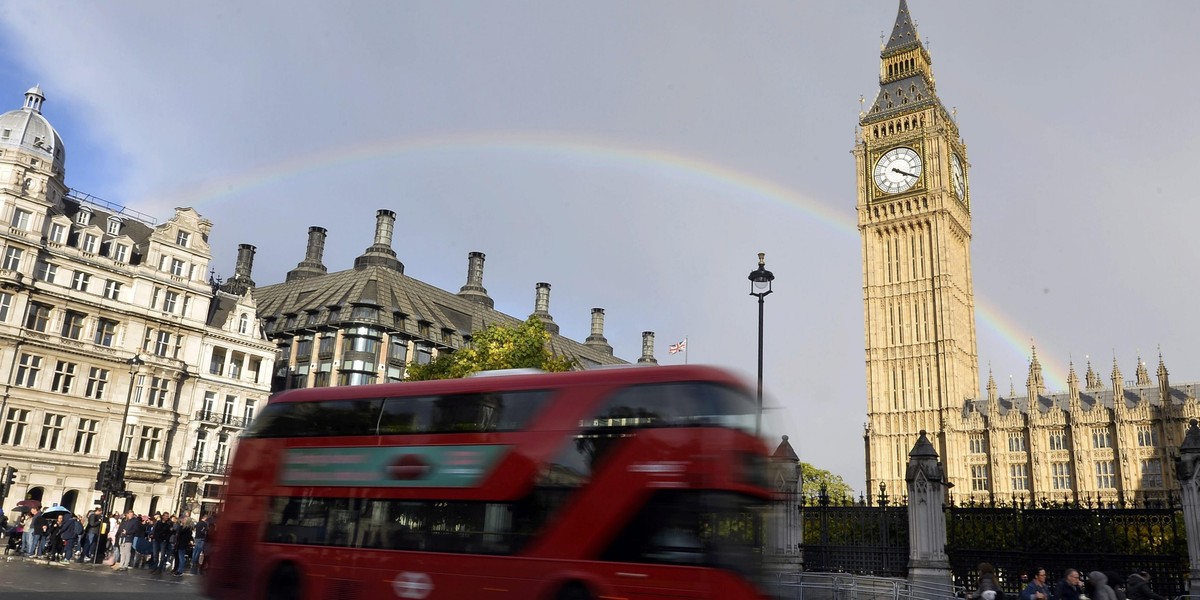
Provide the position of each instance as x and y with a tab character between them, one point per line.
683	404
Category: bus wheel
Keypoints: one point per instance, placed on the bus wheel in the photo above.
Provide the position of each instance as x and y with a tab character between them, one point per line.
574	591
285	583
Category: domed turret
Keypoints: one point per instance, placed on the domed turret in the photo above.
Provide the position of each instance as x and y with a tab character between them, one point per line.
25	128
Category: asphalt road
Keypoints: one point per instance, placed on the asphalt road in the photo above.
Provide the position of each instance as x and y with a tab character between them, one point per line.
24	580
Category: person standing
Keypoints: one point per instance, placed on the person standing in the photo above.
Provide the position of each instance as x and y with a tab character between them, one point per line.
126	532
199	535
40	527
160	535
1037	588
986	587
27	531
1099	583
1070	587
1137	587
91	533
183	544
71	530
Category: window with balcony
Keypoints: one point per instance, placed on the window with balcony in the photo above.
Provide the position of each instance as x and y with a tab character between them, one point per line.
72	327
248	413
227	414
177	267
58	233
22	219
201	447
222	453
12	258
106	332
120	253
64	376
90	243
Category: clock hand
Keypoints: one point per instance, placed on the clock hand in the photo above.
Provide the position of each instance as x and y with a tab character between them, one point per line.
902	172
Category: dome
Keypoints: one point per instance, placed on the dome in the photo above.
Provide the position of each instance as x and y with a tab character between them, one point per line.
25	128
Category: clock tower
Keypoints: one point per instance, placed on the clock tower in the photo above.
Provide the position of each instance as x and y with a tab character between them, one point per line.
914	214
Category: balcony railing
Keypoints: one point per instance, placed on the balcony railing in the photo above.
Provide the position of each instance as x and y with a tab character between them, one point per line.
209	416
207	467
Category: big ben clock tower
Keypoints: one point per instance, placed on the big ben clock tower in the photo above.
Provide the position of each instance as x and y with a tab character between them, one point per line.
914	213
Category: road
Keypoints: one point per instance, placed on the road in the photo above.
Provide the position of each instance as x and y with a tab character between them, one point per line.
24	580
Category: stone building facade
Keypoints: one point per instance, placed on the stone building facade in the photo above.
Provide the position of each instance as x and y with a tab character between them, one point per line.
366	324
105	317
1098	440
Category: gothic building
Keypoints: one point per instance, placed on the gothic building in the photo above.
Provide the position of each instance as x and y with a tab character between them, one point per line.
103	316
1109	442
365	324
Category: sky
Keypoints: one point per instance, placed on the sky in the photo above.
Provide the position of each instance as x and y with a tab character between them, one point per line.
637	155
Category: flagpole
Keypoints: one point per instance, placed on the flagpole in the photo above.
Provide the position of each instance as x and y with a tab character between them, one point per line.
685	350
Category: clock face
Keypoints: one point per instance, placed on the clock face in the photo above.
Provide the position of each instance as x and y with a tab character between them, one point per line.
956	177
897	170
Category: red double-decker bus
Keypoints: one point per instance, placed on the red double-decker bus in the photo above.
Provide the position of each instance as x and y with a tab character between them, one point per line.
638	482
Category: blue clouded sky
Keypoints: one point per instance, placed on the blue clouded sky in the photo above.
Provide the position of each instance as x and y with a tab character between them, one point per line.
638	155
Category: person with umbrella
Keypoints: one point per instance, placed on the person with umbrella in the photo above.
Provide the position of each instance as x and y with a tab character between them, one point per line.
40	527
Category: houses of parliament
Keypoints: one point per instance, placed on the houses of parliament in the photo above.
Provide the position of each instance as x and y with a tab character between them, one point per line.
1105	439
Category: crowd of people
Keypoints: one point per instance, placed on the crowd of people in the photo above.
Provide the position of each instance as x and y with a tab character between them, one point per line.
159	543
1097	585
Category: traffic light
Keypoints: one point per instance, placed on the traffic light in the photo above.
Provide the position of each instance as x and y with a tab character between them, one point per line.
10	476
116	469
102	476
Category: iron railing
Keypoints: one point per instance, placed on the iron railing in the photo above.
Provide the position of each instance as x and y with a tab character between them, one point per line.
208	416
208	467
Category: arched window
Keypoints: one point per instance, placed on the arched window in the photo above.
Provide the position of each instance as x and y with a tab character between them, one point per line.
244	323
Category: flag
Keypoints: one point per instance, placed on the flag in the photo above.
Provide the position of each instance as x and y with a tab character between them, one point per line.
680	347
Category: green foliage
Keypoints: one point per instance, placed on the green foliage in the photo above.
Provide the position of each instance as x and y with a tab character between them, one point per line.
496	347
835	487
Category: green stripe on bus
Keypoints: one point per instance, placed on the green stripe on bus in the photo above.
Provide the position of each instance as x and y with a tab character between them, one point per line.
405	466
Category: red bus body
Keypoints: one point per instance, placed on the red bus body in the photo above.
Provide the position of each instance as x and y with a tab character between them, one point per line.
496	513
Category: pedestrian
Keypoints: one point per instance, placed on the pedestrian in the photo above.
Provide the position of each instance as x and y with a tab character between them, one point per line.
1037	588
1138	587
127	531
71	530
91	534
1117	582
1098	582
1070	587
986	587
199	536
54	534
160	535
183	544
40	526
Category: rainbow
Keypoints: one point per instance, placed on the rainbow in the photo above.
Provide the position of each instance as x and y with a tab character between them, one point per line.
596	152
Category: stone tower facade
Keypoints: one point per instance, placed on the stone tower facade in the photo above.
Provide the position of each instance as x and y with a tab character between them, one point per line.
914	214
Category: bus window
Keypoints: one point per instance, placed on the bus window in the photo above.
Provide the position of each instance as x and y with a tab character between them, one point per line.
310	419
691	404
461	413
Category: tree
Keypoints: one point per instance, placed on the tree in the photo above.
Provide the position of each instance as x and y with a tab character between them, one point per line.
496	347
835	487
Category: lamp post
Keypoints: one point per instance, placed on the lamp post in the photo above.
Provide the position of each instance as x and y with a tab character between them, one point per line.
135	363
760	286
121	456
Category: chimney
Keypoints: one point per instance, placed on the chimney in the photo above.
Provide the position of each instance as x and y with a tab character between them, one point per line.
311	266
596	339
380	253
474	290
647	349
240	282
541	307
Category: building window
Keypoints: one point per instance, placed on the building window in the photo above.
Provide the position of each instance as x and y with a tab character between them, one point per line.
158	391
27	370
201	445
121	253
975	443
1101	438
222	449
1104	475
979	478
1020	477
1060	476
44	271
14	426
304	346
248	413
1147	436
5	305
1152	476
138	391
112	289
182	238
244	324
64	376
210	401
96	383
1016	442
227	415
52	428
325	345
1058	439
85	436
425	356
177	267
12	259
90	243
216	365
22	219
58	233
162	344
170	301
84	216
148	445
397	349
80	281
106	332
72	327
114	226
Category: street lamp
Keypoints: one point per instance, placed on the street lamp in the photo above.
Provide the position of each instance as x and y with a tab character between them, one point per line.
760	286
135	363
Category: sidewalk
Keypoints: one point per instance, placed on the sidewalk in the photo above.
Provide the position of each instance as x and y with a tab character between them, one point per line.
99	567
